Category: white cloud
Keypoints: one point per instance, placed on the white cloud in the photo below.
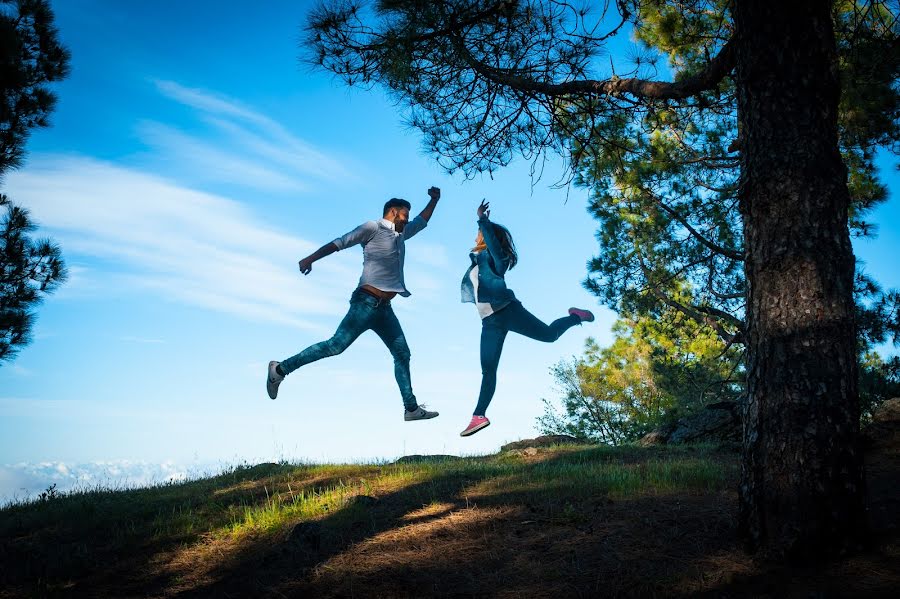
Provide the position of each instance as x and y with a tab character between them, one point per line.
125	229
244	146
211	103
184	245
208	161
26	480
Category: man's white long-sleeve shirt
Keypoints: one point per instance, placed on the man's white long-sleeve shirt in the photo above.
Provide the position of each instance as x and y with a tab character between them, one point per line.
384	250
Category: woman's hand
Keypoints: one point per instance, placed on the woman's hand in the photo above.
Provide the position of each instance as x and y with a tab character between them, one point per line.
484	209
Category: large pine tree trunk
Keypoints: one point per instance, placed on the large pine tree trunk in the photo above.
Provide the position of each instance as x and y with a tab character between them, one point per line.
802	488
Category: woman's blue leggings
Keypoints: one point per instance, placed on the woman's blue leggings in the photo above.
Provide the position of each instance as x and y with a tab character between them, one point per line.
514	317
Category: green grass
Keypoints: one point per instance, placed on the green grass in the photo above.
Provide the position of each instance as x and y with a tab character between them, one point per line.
72	530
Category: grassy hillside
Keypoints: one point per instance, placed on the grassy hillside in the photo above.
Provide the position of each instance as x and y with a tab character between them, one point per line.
563	521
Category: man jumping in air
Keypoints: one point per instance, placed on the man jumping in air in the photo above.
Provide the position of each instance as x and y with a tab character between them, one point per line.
383	244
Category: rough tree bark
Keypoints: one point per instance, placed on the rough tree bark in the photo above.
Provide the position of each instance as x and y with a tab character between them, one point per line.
802	487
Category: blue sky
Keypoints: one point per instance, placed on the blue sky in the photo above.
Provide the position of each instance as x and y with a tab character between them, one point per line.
191	162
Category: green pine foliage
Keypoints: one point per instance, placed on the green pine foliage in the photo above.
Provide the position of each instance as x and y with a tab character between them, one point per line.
879	380
656	370
664	185
31	57
665	179
29	269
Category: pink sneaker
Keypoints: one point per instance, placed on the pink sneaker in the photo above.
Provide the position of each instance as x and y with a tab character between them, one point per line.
478	423
584	315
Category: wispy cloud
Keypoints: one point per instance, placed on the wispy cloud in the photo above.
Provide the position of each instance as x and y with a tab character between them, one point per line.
149	234
206	161
242	145
128	229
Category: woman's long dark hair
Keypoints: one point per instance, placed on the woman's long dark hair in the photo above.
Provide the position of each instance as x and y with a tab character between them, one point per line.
506	243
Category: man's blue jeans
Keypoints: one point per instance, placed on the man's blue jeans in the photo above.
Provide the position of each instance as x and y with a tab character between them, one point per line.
366	312
514	317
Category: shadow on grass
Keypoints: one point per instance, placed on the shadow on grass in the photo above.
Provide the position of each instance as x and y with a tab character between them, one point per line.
548	528
579	522
563	521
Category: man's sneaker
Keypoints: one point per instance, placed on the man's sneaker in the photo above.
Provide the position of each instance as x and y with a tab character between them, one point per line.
419	413
273	379
478	423
584	315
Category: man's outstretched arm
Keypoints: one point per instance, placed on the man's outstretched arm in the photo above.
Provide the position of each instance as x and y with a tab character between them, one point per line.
435	194
325	250
360	234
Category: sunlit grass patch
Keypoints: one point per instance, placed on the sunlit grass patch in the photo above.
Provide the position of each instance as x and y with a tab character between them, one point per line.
312	492
282	508
574	472
615	479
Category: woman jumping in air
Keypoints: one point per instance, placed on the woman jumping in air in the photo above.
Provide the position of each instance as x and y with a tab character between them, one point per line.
484	285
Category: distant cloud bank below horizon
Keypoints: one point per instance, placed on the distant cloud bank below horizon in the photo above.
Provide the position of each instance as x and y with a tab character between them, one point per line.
25	481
